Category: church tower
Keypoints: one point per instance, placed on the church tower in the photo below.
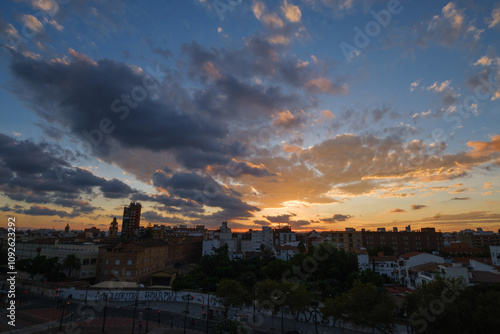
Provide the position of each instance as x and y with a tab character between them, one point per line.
113	229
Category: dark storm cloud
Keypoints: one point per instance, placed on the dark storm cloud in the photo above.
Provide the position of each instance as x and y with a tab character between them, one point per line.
236	168
252	77
81	206
5	208
287	219
37	210
262	222
299	223
111	106
79	95
283	218
153	217
230	97
460	199
26	157
170	203
116	189
337	218
34	173
205	191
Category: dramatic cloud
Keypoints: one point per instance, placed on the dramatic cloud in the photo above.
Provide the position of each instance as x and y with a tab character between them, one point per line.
152	217
40	173
418	206
287	219
108	101
283	218
37	210
204	190
336	218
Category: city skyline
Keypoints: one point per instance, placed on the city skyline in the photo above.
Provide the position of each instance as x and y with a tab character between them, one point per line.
318	114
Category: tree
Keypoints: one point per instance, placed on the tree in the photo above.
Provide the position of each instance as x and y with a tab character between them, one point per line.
270	295
232	294
298	299
71	262
367	307
336	269
447	305
148	233
301	247
275	269
183	282
369	276
336	308
229	327
50	268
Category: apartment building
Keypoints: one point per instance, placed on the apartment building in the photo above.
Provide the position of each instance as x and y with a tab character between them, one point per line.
347	240
427	239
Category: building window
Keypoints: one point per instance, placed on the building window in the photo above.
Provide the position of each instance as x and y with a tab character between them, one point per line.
117	262
129	262
115	272
93	261
128	272
107	261
86	262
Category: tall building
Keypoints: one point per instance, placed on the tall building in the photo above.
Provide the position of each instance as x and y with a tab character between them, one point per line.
131	220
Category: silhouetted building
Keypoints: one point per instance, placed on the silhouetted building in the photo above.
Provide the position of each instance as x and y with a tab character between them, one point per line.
403	242
131	220
113	229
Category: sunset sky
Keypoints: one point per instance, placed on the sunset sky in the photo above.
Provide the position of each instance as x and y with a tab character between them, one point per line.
323	114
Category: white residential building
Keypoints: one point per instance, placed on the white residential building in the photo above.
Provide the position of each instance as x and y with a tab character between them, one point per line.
427	272
262	237
495	255
406	261
386	265
363	258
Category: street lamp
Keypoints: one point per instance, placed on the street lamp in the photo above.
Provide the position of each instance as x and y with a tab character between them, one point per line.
315	304
253	301
282	310
135	307
105	296
86	294
188	298
147	313
62	316
208	306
